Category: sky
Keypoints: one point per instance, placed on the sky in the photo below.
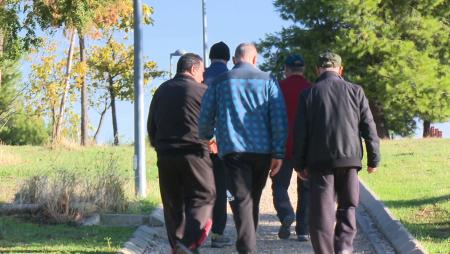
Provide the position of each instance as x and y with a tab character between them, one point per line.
178	25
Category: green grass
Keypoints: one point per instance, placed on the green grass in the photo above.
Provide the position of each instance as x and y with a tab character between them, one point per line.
413	180
17	236
20	163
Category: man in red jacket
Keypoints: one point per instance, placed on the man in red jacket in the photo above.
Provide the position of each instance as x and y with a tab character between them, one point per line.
291	87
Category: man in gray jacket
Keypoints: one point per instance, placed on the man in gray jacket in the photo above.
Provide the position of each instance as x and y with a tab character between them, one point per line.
332	117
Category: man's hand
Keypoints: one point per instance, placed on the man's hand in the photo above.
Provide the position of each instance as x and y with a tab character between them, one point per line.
275	166
371	170
303	174
213	146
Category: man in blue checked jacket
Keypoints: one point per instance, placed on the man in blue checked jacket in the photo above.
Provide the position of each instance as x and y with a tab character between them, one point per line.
244	108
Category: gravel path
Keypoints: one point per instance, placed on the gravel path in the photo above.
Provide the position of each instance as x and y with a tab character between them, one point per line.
267	241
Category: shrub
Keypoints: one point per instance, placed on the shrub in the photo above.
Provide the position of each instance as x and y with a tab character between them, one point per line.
67	196
24	130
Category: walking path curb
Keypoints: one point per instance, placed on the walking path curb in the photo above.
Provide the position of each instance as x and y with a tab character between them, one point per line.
144	238
402	241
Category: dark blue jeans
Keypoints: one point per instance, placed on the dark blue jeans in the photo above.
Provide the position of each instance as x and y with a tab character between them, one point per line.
282	203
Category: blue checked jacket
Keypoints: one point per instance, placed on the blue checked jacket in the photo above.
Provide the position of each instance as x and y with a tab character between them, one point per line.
245	108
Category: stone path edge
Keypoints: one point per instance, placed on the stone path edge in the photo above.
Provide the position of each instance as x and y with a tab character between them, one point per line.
399	237
402	240
141	242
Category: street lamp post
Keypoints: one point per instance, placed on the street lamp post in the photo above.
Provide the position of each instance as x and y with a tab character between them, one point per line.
139	144
205	43
178	52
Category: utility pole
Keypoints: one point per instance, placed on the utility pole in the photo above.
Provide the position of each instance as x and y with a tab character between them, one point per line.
139	137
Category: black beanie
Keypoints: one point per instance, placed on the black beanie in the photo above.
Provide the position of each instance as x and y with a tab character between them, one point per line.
220	50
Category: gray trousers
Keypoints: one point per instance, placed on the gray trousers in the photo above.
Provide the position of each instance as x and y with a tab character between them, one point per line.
327	187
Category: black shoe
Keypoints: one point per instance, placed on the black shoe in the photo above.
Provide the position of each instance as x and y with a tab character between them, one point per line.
220	241
285	228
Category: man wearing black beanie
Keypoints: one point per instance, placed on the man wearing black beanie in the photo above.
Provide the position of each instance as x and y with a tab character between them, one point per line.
219	55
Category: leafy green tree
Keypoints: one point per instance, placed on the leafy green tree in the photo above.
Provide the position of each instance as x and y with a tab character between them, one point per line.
111	67
17	35
397	50
8	93
47	84
86	18
17	126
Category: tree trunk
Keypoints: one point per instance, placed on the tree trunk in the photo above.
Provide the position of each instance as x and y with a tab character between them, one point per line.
380	121
113	111
53	110
100	122
426	129
84	102
62	104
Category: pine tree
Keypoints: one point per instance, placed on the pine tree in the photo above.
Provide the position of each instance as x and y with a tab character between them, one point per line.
397	50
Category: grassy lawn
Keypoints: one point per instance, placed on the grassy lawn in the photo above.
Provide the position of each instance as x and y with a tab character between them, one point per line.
19	163
17	236
414	182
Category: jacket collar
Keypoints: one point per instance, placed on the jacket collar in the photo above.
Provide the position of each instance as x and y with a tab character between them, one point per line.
216	66
184	77
244	65
217	63
327	75
296	76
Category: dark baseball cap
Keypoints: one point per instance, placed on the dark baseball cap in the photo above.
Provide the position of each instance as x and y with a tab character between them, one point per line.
220	50
295	60
329	59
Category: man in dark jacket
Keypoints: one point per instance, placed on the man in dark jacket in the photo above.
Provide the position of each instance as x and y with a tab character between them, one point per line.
291	87
185	172
332	117
219	55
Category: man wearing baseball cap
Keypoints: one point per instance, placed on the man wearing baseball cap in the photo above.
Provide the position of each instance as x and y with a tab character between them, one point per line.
332	117
292	86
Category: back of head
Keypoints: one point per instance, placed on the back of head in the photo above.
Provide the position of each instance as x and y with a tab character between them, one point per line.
295	63
220	51
187	61
246	52
329	59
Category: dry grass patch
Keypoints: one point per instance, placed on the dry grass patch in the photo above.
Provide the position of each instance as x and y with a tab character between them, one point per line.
7	158
69	196
8	188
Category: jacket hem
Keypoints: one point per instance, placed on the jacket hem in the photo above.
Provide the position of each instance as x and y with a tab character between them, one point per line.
337	163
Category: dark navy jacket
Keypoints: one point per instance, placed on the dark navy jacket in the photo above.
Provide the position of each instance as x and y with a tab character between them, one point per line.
215	69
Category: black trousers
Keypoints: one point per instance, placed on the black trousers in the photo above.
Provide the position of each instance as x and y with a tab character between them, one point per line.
327	186
248	175
220	207
188	193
